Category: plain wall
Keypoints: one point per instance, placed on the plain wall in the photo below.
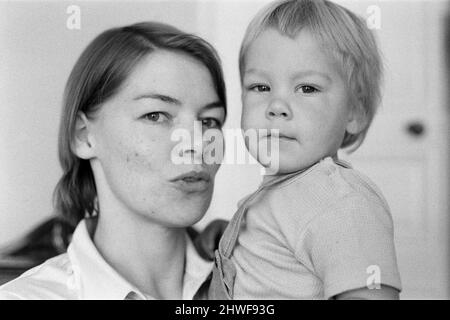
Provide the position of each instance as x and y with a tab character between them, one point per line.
37	53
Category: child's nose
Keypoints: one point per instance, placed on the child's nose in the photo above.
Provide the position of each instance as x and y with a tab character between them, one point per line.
278	108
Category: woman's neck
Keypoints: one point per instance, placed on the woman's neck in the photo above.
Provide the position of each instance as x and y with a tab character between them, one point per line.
149	256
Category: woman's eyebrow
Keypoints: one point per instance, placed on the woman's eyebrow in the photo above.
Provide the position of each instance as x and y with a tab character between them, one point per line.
174	101
212	105
158	96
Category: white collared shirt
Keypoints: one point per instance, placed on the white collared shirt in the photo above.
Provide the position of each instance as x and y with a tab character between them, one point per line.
82	273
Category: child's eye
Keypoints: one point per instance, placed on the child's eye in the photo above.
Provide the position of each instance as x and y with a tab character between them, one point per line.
259	88
211	123
306	89
156	117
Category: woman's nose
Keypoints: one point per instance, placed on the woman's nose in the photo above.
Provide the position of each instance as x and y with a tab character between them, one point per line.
194	147
278	109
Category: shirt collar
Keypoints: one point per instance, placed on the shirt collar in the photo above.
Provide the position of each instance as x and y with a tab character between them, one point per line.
95	279
196	271
267	179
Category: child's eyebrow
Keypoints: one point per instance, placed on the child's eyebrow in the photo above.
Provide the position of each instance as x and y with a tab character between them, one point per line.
307	73
294	76
255	72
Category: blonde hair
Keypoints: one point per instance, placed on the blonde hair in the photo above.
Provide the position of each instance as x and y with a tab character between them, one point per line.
343	34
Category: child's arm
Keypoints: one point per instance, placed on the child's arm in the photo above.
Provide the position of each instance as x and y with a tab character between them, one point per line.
384	293
344	243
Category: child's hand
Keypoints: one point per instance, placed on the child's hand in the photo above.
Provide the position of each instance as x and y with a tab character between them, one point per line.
207	241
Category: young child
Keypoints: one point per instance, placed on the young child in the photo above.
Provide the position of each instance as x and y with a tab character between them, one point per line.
317	229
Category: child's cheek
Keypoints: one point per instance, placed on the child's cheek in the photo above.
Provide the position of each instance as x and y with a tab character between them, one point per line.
253	114
250	119
245	116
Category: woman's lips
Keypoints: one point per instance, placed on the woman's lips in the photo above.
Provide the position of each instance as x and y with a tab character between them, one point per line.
286	138
193	181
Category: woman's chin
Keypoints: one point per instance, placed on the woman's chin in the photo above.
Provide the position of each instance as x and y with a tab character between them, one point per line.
186	221
186	216
191	216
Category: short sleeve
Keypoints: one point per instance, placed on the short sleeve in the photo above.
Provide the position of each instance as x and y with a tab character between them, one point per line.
351	246
6	295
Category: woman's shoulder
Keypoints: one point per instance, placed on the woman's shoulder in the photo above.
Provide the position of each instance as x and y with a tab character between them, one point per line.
50	280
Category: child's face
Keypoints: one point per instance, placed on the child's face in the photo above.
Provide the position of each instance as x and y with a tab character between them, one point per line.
292	85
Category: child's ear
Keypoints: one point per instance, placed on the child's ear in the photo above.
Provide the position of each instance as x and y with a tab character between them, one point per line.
82	145
357	119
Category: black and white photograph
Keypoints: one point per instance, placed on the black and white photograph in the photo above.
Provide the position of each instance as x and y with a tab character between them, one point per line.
225	150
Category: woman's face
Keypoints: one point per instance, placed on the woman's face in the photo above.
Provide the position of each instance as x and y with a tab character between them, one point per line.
130	135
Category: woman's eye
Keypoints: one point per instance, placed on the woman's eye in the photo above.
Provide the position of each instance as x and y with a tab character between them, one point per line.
308	89
211	123
156	117
259	88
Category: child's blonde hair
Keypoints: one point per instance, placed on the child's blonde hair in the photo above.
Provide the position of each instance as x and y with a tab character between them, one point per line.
344	35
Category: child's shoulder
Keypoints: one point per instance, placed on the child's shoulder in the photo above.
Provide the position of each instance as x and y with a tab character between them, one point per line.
326	186
330	196
330	180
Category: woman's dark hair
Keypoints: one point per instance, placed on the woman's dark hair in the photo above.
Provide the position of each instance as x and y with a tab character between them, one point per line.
98	75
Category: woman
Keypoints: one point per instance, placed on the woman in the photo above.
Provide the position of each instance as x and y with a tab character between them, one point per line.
130	90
